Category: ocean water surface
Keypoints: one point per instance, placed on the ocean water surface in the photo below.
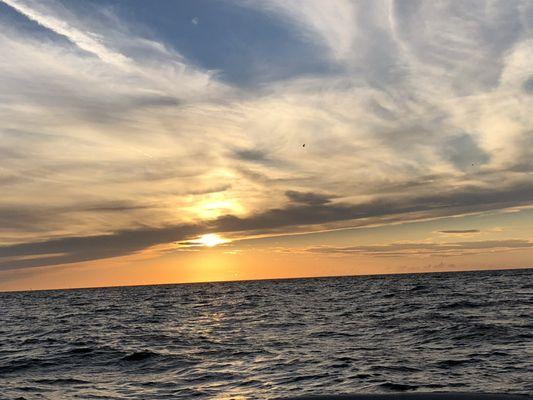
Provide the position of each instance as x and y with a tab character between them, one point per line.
468	331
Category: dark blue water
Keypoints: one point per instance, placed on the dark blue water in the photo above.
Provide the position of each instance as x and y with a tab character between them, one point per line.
433	332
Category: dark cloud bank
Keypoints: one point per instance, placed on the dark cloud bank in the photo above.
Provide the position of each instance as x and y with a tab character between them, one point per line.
303	209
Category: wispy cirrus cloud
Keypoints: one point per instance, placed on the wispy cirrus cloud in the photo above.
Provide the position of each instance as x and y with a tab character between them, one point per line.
332	24
84	40
408	121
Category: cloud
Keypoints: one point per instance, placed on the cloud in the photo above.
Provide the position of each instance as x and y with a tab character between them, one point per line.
309	198
460	231
463	151
84	41
116	120
334	24
427	249
252	155
528	85
310	210
305	209
85	248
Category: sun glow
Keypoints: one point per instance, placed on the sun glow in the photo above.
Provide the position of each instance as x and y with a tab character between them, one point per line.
214	208
213	205
211	240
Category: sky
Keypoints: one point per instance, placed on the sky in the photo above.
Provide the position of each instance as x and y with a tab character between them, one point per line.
187	141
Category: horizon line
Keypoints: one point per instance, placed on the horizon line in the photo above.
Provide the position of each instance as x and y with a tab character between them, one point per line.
268	279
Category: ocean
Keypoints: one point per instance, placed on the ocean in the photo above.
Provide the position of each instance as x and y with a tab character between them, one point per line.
468	331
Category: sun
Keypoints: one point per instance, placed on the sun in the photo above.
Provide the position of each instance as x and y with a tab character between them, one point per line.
210	240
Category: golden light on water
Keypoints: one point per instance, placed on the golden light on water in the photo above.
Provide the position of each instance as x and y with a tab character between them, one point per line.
211	240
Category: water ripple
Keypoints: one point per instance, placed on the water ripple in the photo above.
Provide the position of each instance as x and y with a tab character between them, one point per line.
267	339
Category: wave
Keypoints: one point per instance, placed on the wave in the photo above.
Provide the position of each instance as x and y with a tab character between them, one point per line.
440	332
139	356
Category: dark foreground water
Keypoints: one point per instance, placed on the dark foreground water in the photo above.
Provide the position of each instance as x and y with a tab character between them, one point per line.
435	332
